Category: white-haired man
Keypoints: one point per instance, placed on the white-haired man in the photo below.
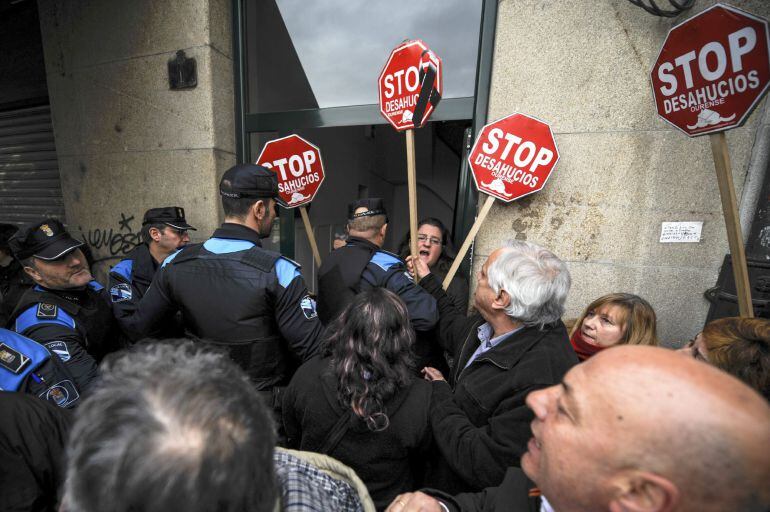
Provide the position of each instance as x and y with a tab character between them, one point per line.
515	344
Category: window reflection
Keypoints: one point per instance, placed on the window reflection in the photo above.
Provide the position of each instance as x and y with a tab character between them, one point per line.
329	53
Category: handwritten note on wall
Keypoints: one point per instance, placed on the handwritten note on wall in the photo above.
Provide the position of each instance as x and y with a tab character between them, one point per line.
680	232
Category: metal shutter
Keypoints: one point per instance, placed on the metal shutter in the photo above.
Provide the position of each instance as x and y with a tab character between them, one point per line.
29	171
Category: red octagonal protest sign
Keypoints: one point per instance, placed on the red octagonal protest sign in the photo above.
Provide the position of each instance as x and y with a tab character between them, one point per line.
410	85
712	70
513	157
298	165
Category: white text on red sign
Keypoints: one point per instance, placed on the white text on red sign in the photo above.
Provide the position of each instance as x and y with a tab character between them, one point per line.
300	167
740	43
527	157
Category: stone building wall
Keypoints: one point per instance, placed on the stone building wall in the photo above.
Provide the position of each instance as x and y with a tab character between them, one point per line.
125	141
583	66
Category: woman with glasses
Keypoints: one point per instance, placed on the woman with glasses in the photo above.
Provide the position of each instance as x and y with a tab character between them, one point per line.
434	247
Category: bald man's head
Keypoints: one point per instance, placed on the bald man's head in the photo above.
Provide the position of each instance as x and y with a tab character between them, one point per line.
641	425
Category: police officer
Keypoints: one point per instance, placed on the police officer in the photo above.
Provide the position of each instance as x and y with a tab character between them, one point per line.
234	293
164	231
361	265
13	280
66	310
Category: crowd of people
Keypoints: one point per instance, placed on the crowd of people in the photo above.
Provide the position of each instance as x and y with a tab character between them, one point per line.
205	376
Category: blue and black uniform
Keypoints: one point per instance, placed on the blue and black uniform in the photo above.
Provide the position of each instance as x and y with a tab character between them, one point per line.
233	293
75	325
361	265
128	283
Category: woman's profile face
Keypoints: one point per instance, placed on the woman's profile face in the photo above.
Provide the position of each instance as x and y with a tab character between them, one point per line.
603	326
429	244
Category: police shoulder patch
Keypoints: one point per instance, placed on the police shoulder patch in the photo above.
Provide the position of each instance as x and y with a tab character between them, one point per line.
121	292
45	310
308	307
60	349
62	393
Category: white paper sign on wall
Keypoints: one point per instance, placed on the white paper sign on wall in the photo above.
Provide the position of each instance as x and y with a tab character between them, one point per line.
680	232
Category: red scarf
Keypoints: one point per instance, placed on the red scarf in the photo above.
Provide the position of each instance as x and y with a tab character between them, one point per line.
582	349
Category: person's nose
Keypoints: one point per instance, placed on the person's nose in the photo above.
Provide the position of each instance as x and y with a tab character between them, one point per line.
186	237
540	401
73	260
590	323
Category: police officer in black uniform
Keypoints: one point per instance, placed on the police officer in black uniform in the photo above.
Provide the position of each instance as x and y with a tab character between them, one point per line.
164	231
13	280
362	264
232	292
66	310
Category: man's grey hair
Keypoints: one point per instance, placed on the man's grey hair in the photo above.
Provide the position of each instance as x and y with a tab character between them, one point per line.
536	280
172	426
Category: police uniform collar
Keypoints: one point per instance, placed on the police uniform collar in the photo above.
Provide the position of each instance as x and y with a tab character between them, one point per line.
363	241
144	264
235	231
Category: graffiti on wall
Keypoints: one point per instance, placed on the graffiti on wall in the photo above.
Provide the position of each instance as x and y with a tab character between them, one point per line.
113	241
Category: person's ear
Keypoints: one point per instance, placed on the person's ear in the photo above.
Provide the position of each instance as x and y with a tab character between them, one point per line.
33	273
155	234
383	230
641	491
502	301
259	209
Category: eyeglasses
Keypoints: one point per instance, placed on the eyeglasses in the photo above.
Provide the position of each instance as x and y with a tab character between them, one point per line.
179	232
432	239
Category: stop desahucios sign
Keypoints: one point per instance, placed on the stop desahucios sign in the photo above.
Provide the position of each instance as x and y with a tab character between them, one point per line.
513	157
410	85
298	165
712	70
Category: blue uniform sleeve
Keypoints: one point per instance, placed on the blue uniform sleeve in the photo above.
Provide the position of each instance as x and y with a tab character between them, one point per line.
385	270
59	334
123	295
295	311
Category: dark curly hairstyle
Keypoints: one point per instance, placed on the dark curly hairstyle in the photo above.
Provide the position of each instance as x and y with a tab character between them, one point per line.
370	344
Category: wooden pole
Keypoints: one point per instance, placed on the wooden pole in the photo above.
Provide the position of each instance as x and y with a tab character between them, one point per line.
468	239
310	235
732	222
411	175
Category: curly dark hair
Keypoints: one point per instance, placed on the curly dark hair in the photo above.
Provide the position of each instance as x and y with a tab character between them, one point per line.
370	344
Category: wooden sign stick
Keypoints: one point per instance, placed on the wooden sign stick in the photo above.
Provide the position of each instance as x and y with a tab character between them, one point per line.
310	235
411	175
468	239
732	222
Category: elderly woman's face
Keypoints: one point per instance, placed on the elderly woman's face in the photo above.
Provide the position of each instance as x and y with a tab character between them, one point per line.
429	244
696	348
602	326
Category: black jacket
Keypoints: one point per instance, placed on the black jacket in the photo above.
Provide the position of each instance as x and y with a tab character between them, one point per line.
233	293
33	437
76	325
389	461
128	281
481	425
516	494
13	283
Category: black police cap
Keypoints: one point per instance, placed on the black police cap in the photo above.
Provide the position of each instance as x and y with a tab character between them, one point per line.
373	205
170	215
47	240
250	180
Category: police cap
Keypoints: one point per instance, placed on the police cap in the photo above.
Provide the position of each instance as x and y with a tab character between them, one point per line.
250	180
170	215
47	240
373	205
